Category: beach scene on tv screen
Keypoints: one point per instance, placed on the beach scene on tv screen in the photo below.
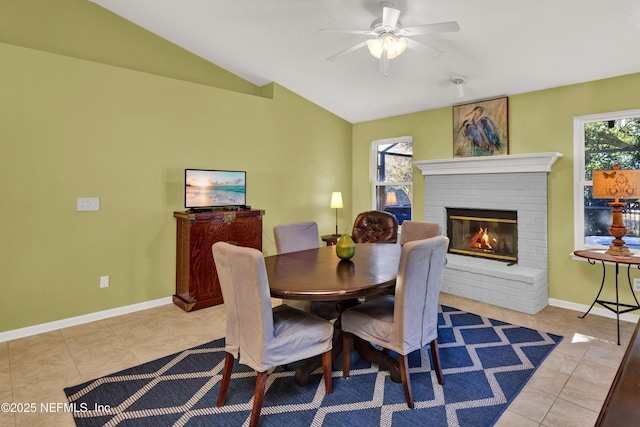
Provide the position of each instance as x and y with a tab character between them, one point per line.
214	188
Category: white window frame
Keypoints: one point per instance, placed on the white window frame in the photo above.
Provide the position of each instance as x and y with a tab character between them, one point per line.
374	168
579	170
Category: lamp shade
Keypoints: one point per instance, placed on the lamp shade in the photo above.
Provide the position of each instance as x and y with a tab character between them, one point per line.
616	184
391	199
336	200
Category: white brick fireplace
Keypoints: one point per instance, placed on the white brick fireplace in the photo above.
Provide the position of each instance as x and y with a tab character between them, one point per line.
511	182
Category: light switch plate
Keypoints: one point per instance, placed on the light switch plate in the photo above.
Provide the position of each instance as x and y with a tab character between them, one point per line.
88	204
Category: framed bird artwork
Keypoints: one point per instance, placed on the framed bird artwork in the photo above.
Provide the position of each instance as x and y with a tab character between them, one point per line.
481	128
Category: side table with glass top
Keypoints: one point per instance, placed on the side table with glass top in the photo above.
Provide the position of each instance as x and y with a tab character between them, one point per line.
592	256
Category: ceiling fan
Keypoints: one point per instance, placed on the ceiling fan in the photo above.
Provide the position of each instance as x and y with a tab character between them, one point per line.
390	39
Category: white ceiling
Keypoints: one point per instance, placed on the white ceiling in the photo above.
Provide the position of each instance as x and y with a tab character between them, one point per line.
504	47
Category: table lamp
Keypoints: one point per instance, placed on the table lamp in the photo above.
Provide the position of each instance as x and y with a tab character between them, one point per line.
617	184
391	199
336	203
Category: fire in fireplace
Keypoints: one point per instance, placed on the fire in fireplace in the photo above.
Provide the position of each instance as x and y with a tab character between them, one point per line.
483	233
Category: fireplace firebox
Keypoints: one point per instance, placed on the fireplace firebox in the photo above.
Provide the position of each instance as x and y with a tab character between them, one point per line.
484	233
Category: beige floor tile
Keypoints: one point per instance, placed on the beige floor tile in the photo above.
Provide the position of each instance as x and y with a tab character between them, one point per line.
512	419
32	384
35	343
6	395
51	411
567	414
7	419
584	393
4	352
154	346
92	328
548	381
532	404
96	362
595	373
575	344
197	338
561	362
135	327
5	372
606	353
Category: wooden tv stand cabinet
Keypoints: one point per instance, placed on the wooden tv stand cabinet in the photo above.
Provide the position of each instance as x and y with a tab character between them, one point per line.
197	283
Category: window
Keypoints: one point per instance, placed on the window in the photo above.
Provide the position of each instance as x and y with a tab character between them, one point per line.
392	173
600	142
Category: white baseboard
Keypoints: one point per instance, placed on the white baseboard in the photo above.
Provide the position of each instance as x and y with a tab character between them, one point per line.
79	320
92	317
597	310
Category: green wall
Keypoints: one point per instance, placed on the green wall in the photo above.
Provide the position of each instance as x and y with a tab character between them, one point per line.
538	122
75	128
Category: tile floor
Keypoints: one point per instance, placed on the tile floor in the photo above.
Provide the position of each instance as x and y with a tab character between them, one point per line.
567	390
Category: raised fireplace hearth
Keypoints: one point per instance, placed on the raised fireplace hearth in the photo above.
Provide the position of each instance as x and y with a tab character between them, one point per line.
516	183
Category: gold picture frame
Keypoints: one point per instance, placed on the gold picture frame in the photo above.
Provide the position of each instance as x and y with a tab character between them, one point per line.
481	128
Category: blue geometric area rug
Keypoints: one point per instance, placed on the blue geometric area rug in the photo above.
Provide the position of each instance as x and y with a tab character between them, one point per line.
485	364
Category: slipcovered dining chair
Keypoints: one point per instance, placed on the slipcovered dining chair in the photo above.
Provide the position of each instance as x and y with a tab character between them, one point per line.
300	236
263	337
375	227
417	230
296	236
408	320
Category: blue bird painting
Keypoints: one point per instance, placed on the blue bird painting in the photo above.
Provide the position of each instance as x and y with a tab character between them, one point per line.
478	134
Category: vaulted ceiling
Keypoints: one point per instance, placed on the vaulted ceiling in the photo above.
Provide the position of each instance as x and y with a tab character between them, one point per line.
504	47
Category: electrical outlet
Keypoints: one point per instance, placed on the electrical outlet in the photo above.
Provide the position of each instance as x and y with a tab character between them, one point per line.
636	285
87	204
104	281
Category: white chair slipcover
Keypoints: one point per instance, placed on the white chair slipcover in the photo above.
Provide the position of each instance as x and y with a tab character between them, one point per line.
408	320
263	337
294	237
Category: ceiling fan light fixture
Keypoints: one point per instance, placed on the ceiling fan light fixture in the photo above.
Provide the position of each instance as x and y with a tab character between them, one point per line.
389	43
376	46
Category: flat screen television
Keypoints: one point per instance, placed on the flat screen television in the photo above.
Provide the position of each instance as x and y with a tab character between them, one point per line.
208	189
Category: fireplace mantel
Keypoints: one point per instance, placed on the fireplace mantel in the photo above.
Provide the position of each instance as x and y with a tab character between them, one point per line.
510	163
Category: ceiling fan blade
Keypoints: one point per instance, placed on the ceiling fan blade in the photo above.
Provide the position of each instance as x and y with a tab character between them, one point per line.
362	32
442	27
348	51
390	17
423	48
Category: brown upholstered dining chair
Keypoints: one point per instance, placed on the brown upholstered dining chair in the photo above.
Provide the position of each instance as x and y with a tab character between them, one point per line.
263	337
417	230
375	227
408	320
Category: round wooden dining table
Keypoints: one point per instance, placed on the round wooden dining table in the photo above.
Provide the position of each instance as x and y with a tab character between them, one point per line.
319	275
